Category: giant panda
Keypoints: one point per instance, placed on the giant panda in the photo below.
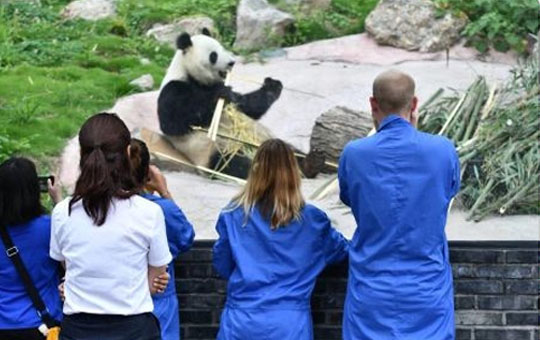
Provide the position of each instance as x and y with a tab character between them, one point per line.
189	92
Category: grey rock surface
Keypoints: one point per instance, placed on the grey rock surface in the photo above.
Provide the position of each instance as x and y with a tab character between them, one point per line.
89	9
257	21
167	33
413	25
317	78
144	82
336	127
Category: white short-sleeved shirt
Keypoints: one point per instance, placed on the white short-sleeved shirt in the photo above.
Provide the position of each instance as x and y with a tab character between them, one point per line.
107	266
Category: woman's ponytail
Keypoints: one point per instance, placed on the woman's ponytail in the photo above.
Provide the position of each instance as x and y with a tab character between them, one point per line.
105	171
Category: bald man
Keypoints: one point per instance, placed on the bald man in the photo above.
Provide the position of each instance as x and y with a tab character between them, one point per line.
398	183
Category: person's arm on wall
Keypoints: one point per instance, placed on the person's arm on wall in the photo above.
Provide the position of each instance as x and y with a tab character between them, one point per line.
222	254
158	256
342	178
180	232
335	246
456	174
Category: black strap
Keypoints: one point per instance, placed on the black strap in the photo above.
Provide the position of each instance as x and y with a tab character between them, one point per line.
13	253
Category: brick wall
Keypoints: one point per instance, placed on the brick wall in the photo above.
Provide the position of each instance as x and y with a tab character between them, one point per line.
496	292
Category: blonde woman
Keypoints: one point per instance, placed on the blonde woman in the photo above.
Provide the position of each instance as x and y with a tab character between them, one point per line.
271	247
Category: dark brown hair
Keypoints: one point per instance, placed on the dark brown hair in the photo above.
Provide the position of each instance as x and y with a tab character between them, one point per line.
140	163
105	167
273	184
19	192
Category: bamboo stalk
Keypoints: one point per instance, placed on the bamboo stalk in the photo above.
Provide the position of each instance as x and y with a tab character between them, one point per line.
216	118
514	198
431	100
253	81
475	114
201	168
328	186
481	198
453	114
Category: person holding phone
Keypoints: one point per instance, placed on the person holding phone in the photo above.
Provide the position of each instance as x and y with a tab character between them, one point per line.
180	234
29	227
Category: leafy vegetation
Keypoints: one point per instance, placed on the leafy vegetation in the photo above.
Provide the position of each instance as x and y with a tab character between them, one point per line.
501	24
497	134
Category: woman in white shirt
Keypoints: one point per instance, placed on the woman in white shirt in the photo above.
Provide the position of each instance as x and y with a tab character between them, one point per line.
113	242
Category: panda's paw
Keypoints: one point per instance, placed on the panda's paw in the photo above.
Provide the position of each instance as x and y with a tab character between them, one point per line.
225	92
272	85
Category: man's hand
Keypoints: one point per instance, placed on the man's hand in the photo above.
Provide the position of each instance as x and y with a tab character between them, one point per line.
157	182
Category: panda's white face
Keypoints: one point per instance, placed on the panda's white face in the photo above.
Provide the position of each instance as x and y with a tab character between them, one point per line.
206	60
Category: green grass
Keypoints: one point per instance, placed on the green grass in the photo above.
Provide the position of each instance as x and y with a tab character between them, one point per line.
55	73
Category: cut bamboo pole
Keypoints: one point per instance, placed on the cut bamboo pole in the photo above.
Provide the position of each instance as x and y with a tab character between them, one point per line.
453	114
325	189
254	81
216	118
201	168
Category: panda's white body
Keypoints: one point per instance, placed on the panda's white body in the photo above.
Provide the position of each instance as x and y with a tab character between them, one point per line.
189	93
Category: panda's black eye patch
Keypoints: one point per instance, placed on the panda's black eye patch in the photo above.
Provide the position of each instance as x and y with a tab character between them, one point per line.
213	58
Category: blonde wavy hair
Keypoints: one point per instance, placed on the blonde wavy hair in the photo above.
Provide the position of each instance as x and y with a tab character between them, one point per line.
273	185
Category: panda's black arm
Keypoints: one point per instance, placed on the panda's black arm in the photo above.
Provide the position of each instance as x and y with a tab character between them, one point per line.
255	104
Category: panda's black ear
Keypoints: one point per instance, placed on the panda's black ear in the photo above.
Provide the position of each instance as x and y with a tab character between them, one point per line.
206	32
184	41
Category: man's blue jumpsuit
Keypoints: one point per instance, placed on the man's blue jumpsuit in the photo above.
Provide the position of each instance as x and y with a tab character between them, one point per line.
399	183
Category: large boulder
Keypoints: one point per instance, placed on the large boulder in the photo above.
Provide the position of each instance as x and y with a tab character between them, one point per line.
414	25
167	33
336	127
257	21
89	9
144	82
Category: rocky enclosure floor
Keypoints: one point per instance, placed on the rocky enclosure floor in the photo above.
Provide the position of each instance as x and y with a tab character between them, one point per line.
318	77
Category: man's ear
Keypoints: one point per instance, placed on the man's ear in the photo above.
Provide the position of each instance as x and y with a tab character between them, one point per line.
375	111
414	104
183	41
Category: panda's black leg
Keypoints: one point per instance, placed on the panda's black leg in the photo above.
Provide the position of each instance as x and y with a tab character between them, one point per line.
238	166
312	164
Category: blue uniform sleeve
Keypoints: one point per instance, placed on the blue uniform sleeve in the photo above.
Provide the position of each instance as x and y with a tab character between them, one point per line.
456	174
180	233
335	246
342	178
222	254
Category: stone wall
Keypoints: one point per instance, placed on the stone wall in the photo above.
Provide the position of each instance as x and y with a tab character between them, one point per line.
496	292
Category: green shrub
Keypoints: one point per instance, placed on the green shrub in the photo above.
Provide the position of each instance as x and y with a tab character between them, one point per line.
343	18
501	24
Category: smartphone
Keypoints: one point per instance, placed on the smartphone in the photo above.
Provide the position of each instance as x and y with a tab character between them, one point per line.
43	185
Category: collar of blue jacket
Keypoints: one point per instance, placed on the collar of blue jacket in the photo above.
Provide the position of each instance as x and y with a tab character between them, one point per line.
391	120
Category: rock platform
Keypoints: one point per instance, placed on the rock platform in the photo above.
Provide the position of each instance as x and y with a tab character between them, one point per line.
318	77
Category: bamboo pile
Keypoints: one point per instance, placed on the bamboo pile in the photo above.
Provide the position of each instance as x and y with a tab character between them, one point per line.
496	131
